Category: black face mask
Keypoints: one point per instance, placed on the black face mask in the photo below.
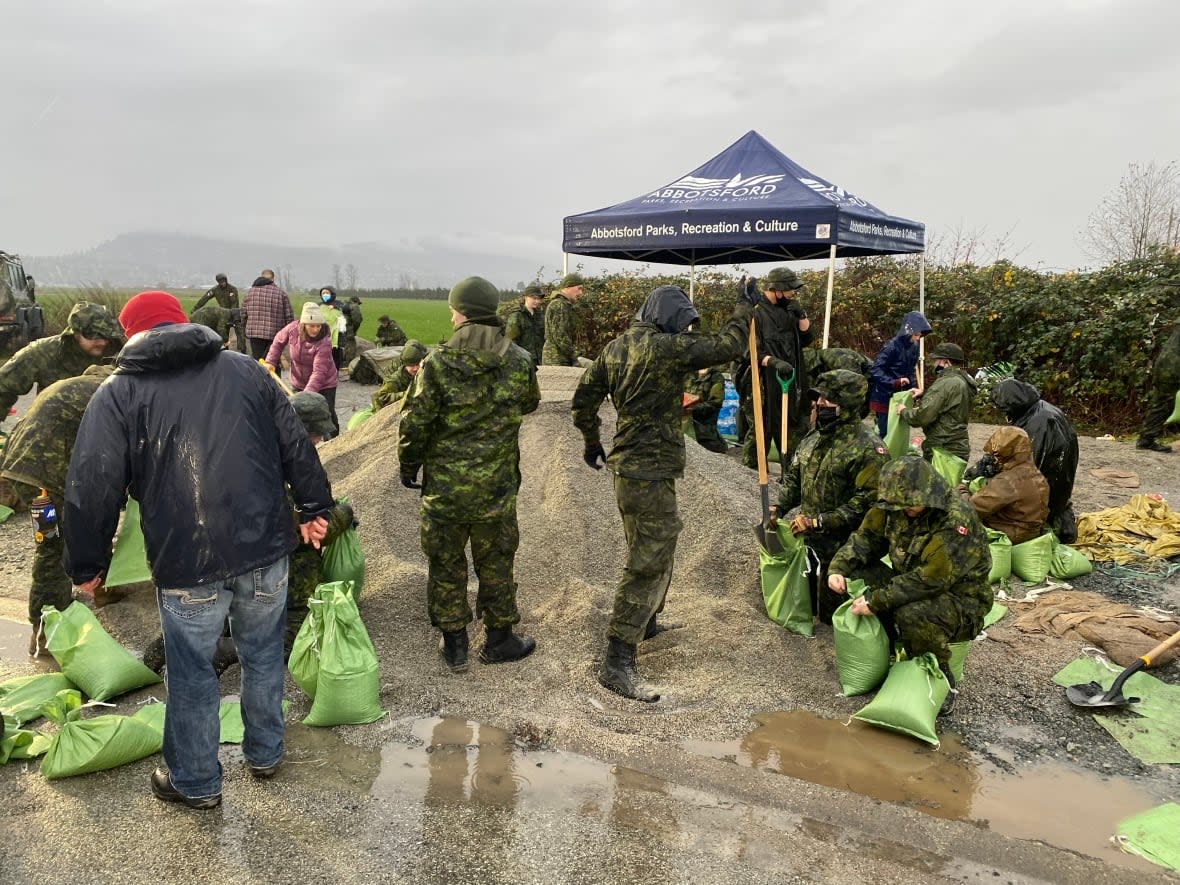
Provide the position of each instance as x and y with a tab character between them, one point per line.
826	417
938	370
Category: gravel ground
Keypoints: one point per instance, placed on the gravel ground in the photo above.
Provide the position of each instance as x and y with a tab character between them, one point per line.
726	664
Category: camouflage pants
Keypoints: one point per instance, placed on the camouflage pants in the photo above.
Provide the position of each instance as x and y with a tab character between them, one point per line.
493	551
51	585
651	527
704	428
930	625
1160	402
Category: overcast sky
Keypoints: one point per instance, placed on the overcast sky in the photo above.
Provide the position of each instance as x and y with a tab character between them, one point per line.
306	123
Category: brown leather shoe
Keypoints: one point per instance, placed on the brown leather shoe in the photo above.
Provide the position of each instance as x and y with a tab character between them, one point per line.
107	596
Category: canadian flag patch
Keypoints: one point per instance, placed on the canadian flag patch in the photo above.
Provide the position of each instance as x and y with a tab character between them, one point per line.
962	530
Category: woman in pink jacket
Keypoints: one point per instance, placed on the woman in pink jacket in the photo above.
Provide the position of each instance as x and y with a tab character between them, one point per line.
309	348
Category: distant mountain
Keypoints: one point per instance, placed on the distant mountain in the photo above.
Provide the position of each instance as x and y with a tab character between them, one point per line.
182	261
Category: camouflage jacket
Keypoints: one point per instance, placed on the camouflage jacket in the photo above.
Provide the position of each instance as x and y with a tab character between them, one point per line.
1166	368
38	451
943	411
393	390
352	318
227	296
820	360
390	335
833	477
941	550
526	329
219	319
558	349
304	568
709	385
41	363
461	425
643	372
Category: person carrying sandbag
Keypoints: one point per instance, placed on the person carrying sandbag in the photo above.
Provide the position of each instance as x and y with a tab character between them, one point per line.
833	477
937	592
944	408
1016	500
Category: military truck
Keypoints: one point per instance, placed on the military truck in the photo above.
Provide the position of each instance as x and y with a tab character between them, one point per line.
21	320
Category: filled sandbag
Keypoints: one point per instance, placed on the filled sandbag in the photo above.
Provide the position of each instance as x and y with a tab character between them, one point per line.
89	656
348	684
344	561
862	647
959	652
1069	563
21	698
909	700
897	433
304	661
786	592
82	746
359	417
1032	559
949	467
1000	549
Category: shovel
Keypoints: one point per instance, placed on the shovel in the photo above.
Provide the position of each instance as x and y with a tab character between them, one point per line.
767	536
1091	694
784	436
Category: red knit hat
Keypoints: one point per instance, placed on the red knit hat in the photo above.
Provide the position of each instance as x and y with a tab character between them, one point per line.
148	310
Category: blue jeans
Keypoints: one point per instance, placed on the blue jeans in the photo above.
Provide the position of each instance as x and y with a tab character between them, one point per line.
192	619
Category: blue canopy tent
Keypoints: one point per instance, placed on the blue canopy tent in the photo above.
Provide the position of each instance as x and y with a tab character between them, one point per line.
749	203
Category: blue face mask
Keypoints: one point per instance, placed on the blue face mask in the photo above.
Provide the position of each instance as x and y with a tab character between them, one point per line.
325	298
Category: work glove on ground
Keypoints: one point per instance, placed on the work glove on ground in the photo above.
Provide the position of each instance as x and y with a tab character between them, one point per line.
594	455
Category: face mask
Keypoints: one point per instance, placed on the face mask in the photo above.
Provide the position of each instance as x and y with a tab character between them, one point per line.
325	298
826	417
938	370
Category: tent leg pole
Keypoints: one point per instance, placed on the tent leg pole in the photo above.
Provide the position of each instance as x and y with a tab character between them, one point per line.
692	281
565	263
828	300
922	310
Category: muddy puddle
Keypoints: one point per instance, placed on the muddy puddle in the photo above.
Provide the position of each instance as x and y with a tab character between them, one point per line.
1057	804
14	647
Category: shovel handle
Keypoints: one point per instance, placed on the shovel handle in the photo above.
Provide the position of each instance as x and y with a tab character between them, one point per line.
1152	655
756	396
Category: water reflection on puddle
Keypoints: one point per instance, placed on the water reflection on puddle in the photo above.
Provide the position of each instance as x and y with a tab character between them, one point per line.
1051	802
14	647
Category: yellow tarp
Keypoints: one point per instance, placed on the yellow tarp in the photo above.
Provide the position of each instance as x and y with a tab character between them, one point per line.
1144	527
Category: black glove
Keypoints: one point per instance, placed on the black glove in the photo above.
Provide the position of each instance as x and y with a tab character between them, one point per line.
594	455
748	291
986	466
410	480
781	367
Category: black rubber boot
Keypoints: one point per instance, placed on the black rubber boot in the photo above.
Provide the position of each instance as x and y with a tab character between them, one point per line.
454	650
620	675
502	646
1151	445
948	706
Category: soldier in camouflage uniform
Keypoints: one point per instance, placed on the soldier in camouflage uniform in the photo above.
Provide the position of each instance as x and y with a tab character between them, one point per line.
37	456
219	319
832	478
828	359
353	319
389	333
937	592
524	322
708	384
226	295
943	408
559	348
1165	380
643	372
460	427
394	390
90	335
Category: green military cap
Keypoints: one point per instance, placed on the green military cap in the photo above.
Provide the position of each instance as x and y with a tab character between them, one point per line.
92	320
949	351
384	318
313	411
570	280
413	352
842	387
474	297
782	279
533	291
910	481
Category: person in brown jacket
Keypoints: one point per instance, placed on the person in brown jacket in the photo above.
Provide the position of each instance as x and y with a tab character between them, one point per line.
1016	500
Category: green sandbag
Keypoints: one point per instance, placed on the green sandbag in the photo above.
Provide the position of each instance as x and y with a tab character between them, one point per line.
1154	835
23	744
976	484
910	699
958	658
5	513
1069	563
862	647
1174	418
129	564
304	662
949	467
1031	560
233	730
995	613
21	698
1001	550
359	417
82	746
349	684
343	560
786	592
897	433
88	655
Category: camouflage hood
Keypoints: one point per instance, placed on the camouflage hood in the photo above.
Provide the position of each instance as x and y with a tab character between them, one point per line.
668	309
93	321
1009	446
476	347
413	352
1014	398
910	481
844	388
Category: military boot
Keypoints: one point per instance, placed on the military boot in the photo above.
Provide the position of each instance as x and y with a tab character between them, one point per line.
1149	443
620	675
502	645
454	649
948	705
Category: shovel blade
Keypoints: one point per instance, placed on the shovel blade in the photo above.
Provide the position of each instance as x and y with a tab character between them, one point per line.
1092	694
768	539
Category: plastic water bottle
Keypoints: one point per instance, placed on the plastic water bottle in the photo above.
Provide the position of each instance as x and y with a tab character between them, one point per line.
44	513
